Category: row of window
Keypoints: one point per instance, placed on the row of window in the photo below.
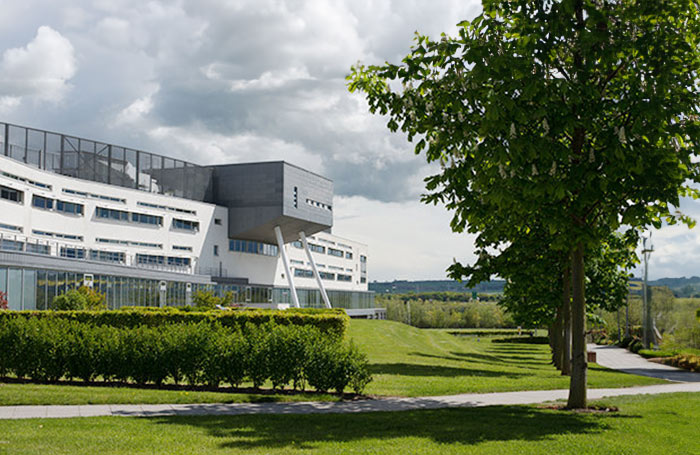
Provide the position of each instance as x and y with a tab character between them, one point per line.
121	215
249	246
306	273
58	235
319	204
322	249
150	259
166	207
130	243
86	195
25	180
58	205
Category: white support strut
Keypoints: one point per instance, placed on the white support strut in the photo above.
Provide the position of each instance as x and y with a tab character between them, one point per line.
313	267
285	261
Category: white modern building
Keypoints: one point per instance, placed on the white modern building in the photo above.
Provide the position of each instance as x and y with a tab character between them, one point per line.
146	229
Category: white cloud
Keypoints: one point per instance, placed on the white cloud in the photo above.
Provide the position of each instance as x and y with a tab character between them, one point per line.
407	240
41	69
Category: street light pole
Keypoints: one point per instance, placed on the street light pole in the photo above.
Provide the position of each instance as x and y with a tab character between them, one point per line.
646	252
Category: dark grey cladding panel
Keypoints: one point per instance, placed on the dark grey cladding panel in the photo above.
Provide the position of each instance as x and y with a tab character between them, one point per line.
260	196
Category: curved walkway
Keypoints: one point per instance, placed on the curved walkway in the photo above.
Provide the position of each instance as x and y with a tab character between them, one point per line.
623	360
377	405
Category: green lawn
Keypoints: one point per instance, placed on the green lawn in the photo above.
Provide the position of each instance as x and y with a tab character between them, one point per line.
35	394
405	361
413	362
644	425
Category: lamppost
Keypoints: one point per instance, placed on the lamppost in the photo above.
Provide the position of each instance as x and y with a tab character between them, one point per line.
648	338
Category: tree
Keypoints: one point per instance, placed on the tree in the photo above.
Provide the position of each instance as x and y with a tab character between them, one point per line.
83	298
582	112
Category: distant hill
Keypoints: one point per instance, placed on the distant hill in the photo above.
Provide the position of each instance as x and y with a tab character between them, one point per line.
681	287
404	287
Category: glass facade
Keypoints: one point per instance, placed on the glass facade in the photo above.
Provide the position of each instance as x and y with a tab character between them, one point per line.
105	163
29	289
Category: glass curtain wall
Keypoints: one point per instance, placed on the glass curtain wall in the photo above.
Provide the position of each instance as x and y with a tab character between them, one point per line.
104	163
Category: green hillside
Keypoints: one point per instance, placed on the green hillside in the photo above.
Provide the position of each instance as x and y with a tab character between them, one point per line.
407	361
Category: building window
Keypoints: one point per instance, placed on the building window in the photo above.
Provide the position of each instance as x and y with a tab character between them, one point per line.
41	202
303	273
216	250
38	248
69	207
111	214
334	252
185	225
363	280
72	253
296	199
327	276
251	247
11	245
297	244
9	227
363	259
149	259
348	255
179	262
182	248
317	248
11	194
108	256
342	277
217	221
142	218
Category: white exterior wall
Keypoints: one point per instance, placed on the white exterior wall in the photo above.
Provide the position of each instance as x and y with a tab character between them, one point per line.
89	226
258	269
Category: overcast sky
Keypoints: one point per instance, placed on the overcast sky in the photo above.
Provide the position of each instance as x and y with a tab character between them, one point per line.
232	81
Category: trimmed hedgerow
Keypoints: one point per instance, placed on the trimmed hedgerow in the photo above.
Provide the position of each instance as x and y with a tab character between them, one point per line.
333	322
198	353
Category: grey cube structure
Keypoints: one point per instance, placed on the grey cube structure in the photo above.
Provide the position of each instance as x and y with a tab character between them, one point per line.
260	196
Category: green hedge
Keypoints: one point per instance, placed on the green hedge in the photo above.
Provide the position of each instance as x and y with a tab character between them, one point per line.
333	322
199	353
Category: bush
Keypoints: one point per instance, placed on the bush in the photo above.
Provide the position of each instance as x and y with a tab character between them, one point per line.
206	300
202	353
331	322
83	298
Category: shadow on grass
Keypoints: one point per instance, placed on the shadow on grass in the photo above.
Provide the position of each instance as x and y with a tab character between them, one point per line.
412	369
462	357
467	426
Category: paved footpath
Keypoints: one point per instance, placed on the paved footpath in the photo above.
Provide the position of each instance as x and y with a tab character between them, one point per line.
608	356
378	405
628	362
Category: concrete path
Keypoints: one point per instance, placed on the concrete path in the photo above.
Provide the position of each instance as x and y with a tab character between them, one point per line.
623	360
378	405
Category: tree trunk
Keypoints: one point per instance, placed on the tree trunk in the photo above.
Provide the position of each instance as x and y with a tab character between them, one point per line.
556	340
566	332
579	365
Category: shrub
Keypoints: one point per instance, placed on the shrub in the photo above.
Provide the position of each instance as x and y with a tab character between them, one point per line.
200	353
330	322
83	298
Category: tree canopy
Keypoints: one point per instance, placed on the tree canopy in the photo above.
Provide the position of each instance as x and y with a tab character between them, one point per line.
579	114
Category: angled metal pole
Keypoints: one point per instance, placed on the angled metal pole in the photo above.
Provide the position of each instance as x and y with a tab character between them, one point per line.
283	253
313	267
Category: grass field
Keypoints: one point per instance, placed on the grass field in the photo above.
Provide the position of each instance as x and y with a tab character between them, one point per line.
643	425
414	362
36	394
404	360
